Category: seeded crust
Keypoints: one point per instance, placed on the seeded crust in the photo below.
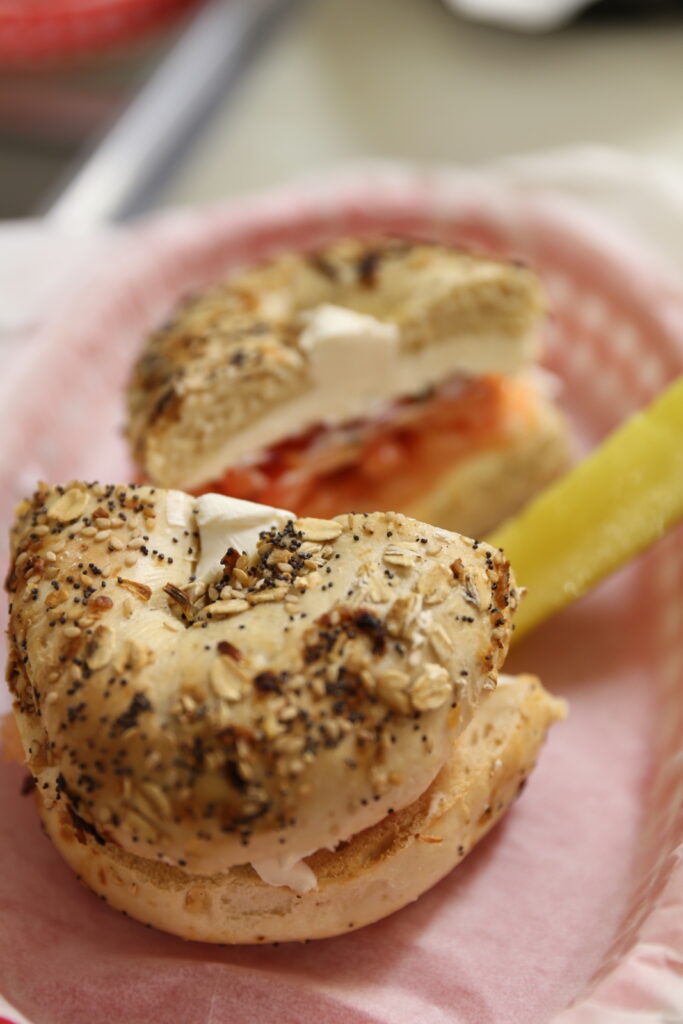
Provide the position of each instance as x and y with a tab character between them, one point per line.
233	354
379	871
316	685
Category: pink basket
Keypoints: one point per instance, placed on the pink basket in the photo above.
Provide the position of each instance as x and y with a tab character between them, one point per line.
572	910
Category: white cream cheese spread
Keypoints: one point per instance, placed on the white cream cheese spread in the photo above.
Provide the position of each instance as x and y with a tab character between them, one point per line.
223	523
286	869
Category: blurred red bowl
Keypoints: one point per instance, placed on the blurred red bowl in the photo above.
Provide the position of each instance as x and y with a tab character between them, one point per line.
38	31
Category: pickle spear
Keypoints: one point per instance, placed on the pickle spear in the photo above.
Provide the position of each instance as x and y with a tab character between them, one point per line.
625	495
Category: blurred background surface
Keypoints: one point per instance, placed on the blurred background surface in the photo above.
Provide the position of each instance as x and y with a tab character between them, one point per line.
296	85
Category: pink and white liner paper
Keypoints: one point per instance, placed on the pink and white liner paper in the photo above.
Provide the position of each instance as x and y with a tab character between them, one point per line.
572	910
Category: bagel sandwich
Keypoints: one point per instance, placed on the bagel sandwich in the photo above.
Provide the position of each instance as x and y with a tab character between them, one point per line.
248	727
369	375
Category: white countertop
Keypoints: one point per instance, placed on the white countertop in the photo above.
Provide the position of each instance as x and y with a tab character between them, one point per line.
349	79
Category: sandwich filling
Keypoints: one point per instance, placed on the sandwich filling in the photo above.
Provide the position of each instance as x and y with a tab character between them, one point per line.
385	461
417	420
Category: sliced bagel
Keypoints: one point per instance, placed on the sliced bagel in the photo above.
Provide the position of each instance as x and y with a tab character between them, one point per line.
318	381
201	683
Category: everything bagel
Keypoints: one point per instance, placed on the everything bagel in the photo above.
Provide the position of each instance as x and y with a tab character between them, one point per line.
367	375
211	690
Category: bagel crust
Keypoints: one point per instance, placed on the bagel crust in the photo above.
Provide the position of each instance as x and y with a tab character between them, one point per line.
226	374
286	700
376	873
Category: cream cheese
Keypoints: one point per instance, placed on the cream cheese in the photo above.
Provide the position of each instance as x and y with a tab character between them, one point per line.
223	523
338	340
286	869
232	523
179	508
357	367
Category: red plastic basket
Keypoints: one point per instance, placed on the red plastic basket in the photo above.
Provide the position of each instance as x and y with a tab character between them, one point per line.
38	31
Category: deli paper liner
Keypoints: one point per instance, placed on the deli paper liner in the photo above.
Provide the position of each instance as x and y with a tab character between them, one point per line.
572	909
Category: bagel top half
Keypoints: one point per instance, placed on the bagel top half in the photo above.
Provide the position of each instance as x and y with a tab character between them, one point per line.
209	707
327	336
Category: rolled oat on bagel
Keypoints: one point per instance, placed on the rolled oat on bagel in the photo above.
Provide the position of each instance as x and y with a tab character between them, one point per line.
369	374
209	689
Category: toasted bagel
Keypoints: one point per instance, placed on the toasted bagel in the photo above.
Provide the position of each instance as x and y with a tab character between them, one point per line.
202	684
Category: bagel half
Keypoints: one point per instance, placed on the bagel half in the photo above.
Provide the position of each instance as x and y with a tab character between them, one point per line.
212	689
368	375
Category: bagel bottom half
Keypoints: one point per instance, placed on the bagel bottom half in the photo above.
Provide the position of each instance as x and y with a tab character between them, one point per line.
372	875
